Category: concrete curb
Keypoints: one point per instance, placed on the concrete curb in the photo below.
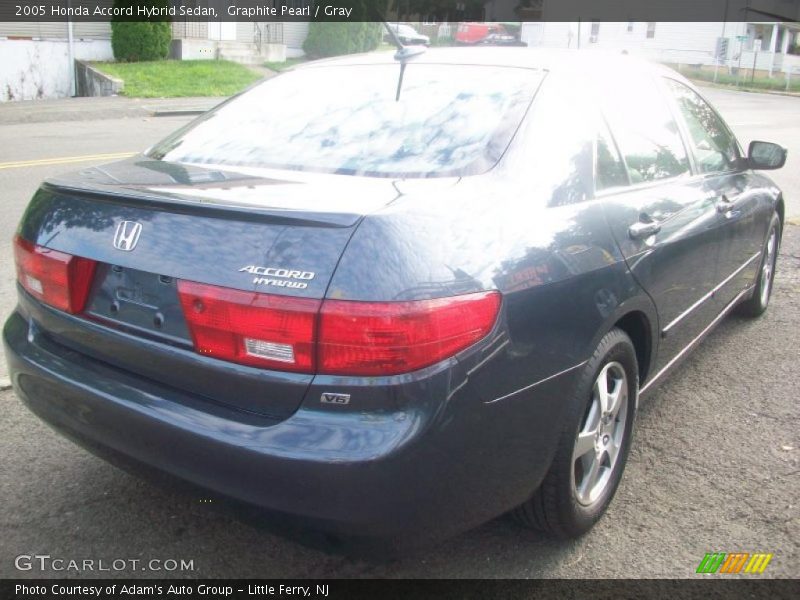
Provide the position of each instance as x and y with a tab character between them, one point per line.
102	107
733	88
178	113
5	384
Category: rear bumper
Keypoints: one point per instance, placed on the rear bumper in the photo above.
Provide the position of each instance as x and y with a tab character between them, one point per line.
393	473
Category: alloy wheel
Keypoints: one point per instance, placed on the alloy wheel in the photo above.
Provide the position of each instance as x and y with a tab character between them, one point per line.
600	438
768	267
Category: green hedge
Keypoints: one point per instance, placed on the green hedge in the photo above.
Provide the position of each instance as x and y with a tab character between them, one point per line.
358	34
332	39
134	41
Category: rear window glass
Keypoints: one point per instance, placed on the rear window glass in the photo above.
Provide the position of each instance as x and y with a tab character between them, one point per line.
450	120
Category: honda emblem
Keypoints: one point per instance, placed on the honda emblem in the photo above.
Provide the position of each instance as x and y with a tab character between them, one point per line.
127	235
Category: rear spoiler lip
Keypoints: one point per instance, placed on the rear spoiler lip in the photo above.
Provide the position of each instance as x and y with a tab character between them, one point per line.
219	210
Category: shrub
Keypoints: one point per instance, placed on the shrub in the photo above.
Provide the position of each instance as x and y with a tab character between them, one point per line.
333	38
134	41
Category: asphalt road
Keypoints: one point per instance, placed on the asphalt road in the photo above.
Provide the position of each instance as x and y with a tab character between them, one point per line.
714	464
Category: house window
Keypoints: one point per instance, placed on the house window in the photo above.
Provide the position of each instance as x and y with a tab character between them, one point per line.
651	30
630	26
595	32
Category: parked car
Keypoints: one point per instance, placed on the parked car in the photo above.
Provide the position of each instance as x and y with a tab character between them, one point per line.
474	33
407	35
501	39
397	318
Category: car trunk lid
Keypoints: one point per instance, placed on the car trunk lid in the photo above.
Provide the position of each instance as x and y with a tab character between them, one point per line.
150	225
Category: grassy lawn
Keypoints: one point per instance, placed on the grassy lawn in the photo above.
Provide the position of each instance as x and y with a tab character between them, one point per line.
175	78
287	64
742	81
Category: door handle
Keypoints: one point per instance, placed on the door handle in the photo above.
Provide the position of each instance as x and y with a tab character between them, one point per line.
643	229
724	204
727	207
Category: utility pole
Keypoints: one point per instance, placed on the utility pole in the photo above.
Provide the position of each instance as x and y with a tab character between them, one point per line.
70	51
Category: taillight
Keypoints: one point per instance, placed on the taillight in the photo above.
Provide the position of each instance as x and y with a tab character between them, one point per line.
261	330
56	278
354	338
387	338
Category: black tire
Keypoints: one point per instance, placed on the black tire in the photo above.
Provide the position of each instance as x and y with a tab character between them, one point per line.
555	507
757	303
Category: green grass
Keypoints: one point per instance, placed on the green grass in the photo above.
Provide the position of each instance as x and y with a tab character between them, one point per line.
177	78
282	66
742	80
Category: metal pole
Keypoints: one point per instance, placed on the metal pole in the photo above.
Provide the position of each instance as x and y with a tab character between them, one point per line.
71	53
716	58
753	73
739	67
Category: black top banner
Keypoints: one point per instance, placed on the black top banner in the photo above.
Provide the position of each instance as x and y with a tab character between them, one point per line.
400	10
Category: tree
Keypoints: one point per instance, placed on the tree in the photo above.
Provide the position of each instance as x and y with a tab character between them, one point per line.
134	41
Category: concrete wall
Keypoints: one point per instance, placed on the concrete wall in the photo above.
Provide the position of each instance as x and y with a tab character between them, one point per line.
91	82
35	69
193	49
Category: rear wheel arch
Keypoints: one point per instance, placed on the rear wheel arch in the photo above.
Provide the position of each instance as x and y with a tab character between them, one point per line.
638	318
639	329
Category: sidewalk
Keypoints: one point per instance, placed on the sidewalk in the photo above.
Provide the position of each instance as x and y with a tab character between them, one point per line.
108	107
734	88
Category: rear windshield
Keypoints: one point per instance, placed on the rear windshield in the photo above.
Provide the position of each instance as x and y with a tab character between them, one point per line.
450	120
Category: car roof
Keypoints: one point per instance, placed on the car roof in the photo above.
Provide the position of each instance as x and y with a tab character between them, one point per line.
529	58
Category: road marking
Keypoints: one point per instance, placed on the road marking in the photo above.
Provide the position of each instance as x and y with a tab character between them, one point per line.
64	160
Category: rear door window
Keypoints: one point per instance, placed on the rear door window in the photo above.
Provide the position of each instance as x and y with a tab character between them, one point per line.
644	129
610	170
713	144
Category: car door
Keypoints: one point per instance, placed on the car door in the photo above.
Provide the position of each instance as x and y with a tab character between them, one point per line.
663	219
739	211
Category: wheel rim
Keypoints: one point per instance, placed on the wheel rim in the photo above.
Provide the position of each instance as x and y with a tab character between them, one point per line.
601	435
768	268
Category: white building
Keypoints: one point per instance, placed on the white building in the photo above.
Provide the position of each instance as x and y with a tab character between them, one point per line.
773	46
38	57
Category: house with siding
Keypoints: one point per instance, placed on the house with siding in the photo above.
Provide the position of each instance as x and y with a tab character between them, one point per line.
771	47
39	57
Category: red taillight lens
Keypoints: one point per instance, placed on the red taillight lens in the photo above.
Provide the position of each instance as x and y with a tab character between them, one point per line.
56	278
249	328
387	338
354	338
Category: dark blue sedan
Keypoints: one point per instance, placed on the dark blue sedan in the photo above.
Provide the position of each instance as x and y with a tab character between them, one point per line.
396	299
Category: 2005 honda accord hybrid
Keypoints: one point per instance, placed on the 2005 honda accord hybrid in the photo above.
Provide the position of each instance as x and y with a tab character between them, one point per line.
397	306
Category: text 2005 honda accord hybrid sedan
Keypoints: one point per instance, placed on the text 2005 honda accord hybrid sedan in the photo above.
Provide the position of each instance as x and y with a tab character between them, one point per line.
392	316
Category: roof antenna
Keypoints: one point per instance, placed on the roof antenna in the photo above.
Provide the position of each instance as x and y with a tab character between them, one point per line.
403	55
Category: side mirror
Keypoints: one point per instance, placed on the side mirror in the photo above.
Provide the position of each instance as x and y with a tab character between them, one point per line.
765	155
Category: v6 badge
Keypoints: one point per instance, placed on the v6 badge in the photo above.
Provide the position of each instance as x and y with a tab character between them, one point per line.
331	398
